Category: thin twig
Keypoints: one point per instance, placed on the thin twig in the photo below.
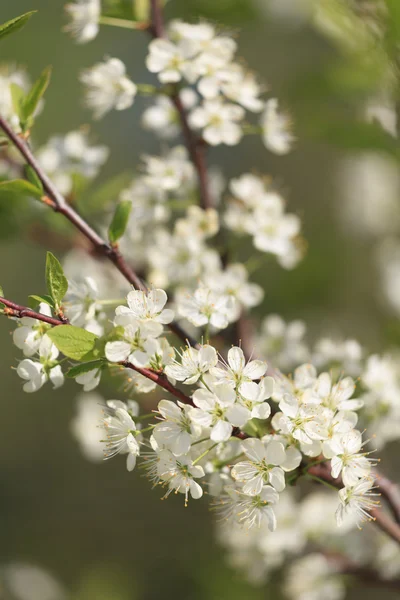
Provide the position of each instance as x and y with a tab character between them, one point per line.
16	310
366	575
382	520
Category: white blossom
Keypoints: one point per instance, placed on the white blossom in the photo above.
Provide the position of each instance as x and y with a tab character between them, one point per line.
108	87
276	129
219	122
85	16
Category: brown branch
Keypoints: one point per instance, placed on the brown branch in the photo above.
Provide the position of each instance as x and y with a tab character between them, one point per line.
16	310
195	146
390	492
366	575
382	519
58	203
161	380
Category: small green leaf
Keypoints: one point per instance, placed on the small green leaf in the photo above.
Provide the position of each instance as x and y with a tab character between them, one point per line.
57	283
1	292
38	299
17	97
72	341
20	186
15	24
120	221
85	368
31	101
33	178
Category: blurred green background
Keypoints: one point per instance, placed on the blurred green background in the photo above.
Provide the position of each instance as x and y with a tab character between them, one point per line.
101	531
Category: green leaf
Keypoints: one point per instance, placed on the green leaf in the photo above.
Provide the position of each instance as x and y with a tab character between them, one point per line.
1	292
33	178
57	283
31	101
20	186
15	24
38	299
85	368
72	341
120	221
17	97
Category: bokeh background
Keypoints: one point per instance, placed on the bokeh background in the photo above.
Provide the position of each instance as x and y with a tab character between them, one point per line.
103	533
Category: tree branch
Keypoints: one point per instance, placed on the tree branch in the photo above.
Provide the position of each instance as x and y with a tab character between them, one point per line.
58	203
383	521
195	146
366	574
161	380
16	310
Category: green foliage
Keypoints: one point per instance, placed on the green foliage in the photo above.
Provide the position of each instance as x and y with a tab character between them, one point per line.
227	11
72	341
15	24
120	221
17	97
393	24
20	187
85	368
33	178
120	9
34	300
32	99
57	283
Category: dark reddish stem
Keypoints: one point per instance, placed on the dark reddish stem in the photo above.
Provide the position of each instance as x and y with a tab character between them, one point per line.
382	519
161	380
16	310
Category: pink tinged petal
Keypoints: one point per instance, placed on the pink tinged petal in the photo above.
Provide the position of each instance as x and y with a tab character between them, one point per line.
254	449
238	415
289	405
236	359
255	369
336	466
275	453
196	491
117	351
277	479
254	486
261	411
221	432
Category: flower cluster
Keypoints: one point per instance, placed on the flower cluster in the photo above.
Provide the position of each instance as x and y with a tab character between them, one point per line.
257	209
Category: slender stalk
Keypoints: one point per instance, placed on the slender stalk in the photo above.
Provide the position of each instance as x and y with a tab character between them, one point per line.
124	23
16	310
161	380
